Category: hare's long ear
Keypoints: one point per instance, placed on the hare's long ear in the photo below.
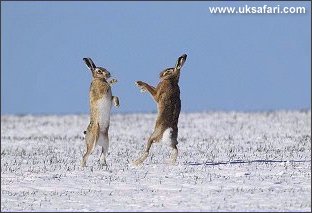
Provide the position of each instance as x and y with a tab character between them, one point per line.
89	63
180	61
179	65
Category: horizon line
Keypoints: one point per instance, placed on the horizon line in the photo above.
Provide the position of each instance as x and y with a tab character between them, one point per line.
155	112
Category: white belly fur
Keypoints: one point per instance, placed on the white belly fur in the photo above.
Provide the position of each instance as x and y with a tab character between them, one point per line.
166	138
104	106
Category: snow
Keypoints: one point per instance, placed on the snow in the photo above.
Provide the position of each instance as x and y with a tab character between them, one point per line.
228	161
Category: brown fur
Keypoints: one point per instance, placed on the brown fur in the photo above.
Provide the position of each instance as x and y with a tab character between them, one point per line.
99	88
167	97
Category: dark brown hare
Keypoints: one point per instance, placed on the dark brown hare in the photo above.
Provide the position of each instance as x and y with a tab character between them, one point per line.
167	97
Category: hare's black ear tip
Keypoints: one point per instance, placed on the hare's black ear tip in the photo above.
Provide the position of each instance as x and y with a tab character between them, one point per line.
84	59
184	56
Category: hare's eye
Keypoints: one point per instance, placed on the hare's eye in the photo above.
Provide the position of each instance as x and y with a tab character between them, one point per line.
167	72
99	71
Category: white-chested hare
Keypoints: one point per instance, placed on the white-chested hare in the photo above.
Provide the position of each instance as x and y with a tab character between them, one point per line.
167	97
101	100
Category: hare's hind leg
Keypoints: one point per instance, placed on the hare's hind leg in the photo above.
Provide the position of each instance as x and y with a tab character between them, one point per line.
174	152
92	135
146	151
104	143
170	138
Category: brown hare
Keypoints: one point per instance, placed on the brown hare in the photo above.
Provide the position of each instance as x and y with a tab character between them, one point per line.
167	97
101	100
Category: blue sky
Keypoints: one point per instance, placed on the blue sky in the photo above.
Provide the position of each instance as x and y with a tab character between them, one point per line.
235	62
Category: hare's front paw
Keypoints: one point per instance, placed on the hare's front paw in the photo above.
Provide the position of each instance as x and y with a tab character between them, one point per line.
140	84
116	101
113	81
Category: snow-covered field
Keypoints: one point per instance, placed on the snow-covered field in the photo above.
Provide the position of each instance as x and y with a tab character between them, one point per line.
228	161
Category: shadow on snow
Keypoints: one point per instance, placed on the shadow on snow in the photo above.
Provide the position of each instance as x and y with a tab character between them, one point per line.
245	162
